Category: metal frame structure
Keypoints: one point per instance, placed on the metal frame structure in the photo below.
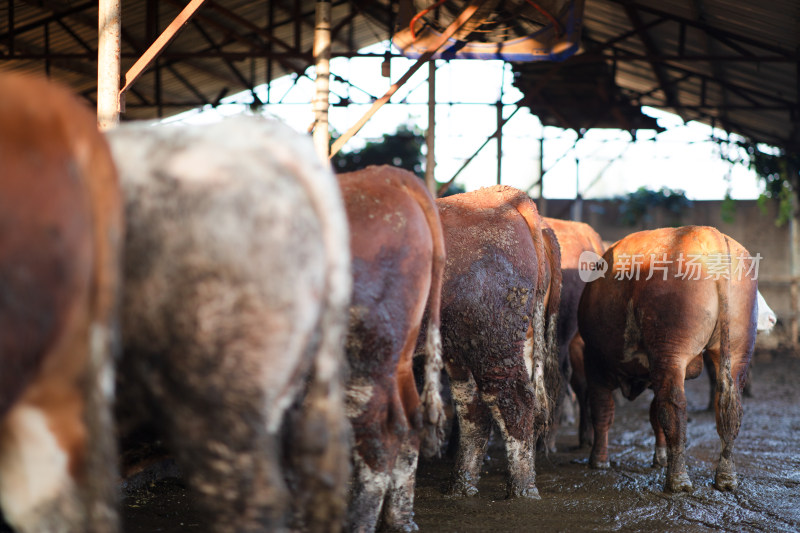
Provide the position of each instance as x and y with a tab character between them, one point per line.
687	56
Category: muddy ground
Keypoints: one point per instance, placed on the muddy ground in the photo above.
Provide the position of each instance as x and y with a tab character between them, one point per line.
628	497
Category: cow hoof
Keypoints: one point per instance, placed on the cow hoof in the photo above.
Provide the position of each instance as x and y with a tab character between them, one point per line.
726	481
679	483
462	490
532	493
599	465
401	528
660	456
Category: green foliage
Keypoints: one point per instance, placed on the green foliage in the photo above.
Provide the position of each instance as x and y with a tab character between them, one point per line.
778	170
638	206
402	149
728	208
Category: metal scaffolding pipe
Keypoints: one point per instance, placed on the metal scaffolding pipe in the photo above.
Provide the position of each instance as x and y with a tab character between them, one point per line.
430	157
462	19
109	25
322	57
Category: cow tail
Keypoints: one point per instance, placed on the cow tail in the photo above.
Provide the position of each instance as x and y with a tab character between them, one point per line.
321	435
543	356
728	394
552	371
431	398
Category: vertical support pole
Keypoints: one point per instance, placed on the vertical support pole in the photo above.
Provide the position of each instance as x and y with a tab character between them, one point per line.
47	49
271	25
109	25
322	56
430	157
499	106
577	207
11	28
794	259
542	199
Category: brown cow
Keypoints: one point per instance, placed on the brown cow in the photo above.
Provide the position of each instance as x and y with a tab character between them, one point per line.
574	238
60	238
670	294
499	310
398	261
234	309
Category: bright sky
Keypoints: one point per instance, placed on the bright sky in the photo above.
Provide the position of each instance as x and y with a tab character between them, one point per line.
604	163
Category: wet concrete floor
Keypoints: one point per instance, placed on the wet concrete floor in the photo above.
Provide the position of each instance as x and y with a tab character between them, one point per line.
628	497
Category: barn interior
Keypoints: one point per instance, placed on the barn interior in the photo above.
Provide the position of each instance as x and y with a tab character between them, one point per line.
580	64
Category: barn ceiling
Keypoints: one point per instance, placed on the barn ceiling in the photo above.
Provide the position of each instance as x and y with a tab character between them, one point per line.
733	63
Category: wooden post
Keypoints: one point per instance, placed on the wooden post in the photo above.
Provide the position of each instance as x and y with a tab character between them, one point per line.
322	57
109	26
430	158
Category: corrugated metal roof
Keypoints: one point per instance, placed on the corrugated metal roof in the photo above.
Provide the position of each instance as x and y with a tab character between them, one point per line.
734	62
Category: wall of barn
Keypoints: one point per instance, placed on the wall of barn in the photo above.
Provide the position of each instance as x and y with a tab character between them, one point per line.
752	227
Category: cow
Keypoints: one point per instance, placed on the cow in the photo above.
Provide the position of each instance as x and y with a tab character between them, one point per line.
398	256
500	302
766	321
61	232
574	238
234	315
670	294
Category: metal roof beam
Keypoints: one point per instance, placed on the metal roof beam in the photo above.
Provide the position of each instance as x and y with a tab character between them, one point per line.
60	14
652	50
714	32
158	46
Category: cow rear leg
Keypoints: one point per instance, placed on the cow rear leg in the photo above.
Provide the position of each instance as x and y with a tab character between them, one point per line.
521	455
232	462
475	424
57	450
660	455
670	401
37	492
398	512
601	408
370	485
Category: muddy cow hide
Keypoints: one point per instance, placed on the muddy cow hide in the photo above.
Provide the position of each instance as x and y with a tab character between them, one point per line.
574	238
398	261
668	295
234	316
60	239
499	311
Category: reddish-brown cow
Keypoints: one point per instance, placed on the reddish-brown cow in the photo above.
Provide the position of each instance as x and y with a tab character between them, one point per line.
670	294
398	261
60	235
574	238
499	310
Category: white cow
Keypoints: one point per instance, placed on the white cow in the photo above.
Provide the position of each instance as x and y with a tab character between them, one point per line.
234	314
766	316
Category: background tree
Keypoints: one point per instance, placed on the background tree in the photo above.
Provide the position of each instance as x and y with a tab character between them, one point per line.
402	149
638	206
